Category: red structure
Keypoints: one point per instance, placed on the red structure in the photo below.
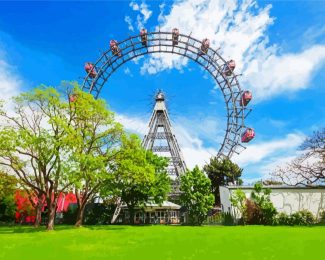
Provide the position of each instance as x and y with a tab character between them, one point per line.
114	47
25	212
229	67
90	69
245	98
73	98
248	135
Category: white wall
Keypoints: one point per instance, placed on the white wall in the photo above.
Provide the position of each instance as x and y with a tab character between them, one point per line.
288	200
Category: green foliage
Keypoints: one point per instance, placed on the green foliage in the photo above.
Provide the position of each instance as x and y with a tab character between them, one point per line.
138	175
303	218
283	219
321	218
228	219
221	172
93	137
8	187
265	211
196	195
33	143
258	210
98	213
299	218
69	216
238	200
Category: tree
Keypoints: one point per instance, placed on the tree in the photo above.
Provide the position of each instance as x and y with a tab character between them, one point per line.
238	200
8	186
258	209
196	195
33	145
139	175
95	135
264	212
308	168
221	172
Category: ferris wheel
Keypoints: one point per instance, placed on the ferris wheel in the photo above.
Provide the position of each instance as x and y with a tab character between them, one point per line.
199	51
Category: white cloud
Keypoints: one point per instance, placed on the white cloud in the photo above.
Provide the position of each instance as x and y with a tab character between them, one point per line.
256	153
128	20
134	124
240	29
10	83
128	72
144	13
134	6
290	72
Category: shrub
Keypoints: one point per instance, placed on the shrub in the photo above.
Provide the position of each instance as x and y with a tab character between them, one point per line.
228	219
302	218
70	216
259	209
283	219
252	214
321	218
98	213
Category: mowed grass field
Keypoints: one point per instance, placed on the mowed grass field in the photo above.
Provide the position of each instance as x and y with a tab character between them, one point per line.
163	242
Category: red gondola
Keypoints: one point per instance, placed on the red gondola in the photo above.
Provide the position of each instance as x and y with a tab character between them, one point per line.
248	135
245	98
90	69
144	37
175	36
115	49
229	67
73	98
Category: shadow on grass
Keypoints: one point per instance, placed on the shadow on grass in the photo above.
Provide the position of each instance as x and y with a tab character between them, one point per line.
13	229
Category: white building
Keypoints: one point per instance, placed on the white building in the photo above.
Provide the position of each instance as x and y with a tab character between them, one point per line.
284	198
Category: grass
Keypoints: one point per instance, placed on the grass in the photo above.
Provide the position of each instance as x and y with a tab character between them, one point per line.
162	242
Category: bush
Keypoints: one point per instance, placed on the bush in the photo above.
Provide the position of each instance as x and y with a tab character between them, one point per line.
300	218
252	214
97	213
70	216
283	219
321	218
303	218
228	219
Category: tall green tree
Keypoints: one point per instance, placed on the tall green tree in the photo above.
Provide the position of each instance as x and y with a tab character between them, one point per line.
95	136
8	186
139	175
196	195
221	172
33	145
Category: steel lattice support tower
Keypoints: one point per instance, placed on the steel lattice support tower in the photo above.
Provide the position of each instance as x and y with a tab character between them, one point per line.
162	141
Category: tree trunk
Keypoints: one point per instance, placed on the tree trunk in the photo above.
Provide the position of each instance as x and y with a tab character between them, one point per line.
80	214
131	210
39	208
51	214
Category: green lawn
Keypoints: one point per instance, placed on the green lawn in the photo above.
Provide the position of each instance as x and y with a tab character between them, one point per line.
163	242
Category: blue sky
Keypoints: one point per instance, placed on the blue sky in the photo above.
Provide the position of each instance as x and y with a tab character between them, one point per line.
279	47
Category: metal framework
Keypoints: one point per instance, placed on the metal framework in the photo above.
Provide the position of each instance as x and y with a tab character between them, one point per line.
189	47
160	138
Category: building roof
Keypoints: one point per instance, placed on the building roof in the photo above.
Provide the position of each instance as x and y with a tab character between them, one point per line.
283	187
164	205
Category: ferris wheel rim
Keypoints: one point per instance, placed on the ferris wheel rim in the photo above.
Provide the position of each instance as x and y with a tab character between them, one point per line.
189	47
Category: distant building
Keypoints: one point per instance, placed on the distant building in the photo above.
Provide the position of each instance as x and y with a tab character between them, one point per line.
166	213
287	199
